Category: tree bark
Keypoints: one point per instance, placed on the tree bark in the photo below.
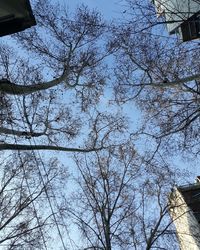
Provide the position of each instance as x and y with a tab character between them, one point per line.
7	146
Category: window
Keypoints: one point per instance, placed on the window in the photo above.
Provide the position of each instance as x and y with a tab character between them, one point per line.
191	28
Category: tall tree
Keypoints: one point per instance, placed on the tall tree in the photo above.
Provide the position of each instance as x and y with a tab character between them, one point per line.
162	75
50	79
68	57
49	90
122	201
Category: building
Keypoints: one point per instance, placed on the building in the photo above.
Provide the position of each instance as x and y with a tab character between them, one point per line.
15	16
184	210
182	17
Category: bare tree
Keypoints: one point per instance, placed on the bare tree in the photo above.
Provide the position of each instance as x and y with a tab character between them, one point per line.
154	228
68	57
49	89
104	201
162	76
122	201
25	214
69	51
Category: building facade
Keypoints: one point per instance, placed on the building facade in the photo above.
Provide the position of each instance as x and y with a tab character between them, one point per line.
184	210
15	16
182	17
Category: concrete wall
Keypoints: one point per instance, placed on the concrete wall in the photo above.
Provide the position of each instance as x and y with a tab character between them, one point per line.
187	227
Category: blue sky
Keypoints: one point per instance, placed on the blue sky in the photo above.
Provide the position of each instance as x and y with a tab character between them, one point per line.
109	8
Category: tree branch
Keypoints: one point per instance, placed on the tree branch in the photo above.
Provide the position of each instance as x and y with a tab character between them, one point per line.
7	146
8	131
15	89
172	84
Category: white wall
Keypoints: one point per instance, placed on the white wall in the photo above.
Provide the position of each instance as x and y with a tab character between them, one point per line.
187	227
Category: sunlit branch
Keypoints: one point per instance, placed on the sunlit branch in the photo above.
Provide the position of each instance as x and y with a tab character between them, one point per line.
172	84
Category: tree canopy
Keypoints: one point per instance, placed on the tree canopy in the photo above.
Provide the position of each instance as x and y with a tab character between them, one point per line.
65	85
